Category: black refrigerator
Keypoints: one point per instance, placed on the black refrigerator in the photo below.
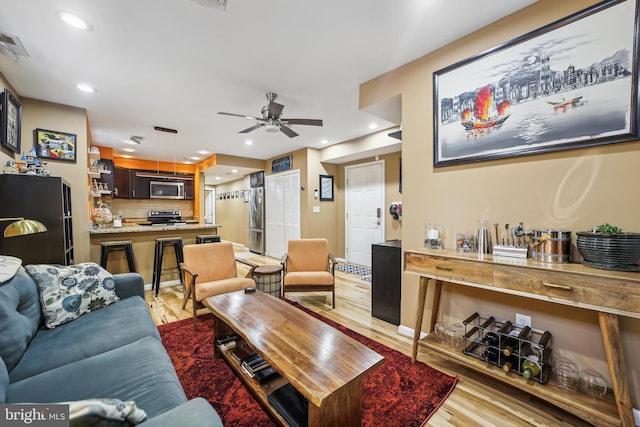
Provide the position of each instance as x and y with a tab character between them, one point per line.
256	213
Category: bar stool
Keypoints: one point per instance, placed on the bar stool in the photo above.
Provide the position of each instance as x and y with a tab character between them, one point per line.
161	244
107	247
207	238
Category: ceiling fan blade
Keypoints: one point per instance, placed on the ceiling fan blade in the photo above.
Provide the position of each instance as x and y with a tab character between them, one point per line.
310	122
242	115
247	130
288	131
275	110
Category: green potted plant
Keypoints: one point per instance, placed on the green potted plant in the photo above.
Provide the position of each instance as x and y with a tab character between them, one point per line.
609	248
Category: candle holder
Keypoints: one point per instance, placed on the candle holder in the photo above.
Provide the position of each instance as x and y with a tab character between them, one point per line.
433	236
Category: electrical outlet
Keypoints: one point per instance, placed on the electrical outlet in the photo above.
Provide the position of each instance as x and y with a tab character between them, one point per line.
523	320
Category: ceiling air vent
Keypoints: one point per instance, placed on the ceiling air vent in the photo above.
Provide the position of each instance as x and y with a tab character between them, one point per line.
12	45
212	4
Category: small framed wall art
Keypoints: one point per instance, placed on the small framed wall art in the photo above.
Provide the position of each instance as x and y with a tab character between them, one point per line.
10	121
326	188
54	145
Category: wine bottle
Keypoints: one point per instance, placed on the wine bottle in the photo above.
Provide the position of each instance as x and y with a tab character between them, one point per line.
492	355
509	363
493	338
530	368
514	339
537	349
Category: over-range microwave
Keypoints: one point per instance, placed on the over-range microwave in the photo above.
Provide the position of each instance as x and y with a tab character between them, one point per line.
166	190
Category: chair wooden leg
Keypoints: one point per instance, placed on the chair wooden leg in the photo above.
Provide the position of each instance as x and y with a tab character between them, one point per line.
333	294
186	292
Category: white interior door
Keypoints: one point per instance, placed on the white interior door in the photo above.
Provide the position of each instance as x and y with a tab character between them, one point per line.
364	210
209	205
282	197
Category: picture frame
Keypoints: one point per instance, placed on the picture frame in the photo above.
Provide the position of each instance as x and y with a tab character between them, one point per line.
56	145
10	121
570	84
282	164
326	188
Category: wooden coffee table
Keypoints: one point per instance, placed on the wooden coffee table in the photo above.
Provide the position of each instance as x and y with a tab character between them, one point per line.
322	363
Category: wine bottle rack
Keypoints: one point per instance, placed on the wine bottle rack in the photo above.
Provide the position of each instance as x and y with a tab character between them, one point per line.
523	343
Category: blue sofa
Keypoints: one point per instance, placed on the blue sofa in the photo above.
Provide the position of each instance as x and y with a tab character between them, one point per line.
114	352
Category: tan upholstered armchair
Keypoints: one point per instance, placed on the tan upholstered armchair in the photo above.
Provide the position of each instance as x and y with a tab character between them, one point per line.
309	267
210	269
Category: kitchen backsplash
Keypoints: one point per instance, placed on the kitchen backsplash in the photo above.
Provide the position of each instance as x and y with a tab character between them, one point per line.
134	208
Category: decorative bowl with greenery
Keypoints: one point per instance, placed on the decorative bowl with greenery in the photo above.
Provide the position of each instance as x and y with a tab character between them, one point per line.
609	248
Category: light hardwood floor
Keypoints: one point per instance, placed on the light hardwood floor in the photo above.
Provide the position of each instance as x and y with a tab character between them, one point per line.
476	400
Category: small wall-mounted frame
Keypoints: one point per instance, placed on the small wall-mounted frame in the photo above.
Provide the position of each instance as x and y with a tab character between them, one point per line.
10	121
54	145
326	188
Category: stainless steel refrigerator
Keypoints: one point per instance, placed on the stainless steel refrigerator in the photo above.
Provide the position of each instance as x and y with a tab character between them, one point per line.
256	220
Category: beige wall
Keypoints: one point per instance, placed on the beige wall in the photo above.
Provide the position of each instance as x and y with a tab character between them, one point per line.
233	214
569	190
45	115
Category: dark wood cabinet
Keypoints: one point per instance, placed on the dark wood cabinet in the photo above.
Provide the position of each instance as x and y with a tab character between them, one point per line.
45	199
139	185
121	187
386	277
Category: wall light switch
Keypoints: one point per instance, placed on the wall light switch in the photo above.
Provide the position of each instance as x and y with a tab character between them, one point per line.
316	209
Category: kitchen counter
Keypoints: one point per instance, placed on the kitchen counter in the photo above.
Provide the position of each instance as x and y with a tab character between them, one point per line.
135	228
144	239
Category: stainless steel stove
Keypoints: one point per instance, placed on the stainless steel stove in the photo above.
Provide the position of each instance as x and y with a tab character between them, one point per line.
165	217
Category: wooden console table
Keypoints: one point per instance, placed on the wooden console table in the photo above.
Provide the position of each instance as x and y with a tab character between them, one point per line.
609	293
322	363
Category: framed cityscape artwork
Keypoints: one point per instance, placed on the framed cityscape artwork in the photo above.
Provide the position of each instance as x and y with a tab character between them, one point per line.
570	84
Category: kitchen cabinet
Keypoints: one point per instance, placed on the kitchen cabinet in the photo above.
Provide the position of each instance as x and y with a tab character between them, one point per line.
386	272
608	294
44	199
139	185
121	187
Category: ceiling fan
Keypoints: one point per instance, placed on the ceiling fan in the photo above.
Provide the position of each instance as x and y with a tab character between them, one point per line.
272	121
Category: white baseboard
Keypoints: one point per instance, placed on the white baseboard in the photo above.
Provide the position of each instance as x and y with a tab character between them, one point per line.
408	332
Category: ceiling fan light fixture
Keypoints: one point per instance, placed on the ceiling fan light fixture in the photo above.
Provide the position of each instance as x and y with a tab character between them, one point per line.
271	128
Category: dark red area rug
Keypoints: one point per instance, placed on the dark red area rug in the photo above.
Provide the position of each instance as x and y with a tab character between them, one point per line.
398	393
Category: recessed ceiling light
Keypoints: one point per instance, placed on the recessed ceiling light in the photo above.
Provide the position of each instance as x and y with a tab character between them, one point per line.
129	150
249	142
373	126
86	88
187	162
203	152
75	21
126	156
324	141
234	170
195	158
218	178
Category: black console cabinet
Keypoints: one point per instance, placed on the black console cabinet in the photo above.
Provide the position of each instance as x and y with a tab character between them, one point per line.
45	199
386	272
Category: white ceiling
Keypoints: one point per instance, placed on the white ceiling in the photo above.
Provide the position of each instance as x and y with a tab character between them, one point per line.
176	63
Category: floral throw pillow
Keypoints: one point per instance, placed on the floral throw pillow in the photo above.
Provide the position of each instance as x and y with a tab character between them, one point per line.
67	292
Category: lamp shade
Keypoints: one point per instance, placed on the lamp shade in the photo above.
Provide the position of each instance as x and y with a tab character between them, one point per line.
24	226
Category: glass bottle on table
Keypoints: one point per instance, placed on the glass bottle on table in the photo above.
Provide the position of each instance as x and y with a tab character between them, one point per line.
530	368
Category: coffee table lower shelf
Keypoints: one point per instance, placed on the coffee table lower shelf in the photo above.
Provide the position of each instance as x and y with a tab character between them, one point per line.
260	391
598	412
